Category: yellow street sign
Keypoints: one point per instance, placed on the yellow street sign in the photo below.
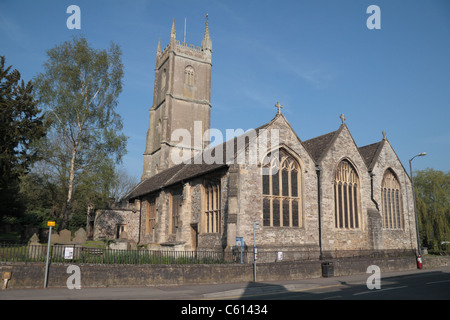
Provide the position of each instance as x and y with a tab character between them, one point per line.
51	223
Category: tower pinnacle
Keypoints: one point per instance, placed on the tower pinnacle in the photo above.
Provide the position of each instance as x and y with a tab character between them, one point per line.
173	33
206	42
158	50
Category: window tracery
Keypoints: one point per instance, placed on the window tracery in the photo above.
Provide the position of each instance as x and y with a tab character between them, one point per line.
281	191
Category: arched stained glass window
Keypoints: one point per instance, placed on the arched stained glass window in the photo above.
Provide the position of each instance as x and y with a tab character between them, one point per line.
282	205
391	201
346	195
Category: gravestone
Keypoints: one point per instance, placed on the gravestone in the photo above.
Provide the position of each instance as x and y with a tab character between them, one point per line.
80	236
55	238
35	249
121	243
34	240
65	236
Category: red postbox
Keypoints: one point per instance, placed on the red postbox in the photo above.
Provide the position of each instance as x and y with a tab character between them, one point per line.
419	262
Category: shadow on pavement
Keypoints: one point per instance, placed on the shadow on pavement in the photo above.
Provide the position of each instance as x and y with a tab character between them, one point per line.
434	285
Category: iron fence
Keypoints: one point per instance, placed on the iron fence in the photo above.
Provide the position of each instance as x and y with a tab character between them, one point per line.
78	254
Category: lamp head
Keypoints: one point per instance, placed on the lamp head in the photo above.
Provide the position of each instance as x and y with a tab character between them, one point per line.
422	154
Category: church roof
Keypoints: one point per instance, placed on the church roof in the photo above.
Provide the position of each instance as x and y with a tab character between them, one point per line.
186	171
171	176
370	152
318	145
154	183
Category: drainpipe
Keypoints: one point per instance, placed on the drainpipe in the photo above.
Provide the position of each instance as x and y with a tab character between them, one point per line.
318	170
371	190
140	219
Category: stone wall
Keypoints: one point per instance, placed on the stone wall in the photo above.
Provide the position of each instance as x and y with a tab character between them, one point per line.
107	220
190	218
242	200
31	275
406	236
250	198
344	147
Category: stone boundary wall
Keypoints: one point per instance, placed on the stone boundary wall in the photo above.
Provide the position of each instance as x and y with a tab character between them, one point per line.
31	275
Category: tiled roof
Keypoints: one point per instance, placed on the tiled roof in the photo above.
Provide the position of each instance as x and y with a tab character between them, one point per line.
154	183
318	145
184	172
369	152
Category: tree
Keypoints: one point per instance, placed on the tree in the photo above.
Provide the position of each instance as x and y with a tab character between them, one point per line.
433	207
122	184
79	92
20	126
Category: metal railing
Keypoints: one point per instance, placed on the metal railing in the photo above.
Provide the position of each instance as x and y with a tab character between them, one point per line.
79	254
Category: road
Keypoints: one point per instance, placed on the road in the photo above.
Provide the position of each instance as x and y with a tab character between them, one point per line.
412	285
428	285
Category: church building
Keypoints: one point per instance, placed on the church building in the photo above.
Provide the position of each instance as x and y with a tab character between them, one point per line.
266	186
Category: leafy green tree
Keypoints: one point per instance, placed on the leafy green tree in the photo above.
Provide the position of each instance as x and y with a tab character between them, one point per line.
20	126
79	92
432	189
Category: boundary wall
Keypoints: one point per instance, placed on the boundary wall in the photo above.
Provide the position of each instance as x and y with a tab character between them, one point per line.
31	275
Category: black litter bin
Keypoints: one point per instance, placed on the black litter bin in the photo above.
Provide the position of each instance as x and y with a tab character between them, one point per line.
327	269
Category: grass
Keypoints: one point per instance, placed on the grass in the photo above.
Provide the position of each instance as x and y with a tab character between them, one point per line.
99	244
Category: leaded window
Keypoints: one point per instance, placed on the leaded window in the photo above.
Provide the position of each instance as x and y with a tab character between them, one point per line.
281	178
189	76
150	208
177	202
346	195
391	201
212	213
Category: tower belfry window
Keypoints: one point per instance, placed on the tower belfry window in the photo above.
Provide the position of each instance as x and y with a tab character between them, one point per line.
163	82
189	76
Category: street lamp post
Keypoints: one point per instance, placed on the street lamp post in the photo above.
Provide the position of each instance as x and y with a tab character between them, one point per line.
414	199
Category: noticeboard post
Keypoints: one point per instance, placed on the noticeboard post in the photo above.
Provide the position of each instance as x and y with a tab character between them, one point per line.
68	253
240	243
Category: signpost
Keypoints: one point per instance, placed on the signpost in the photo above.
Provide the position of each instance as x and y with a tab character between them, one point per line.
50	224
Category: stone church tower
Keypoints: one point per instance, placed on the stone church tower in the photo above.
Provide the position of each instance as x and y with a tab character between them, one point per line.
181	103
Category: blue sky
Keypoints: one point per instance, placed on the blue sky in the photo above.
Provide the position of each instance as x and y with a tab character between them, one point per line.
318	58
